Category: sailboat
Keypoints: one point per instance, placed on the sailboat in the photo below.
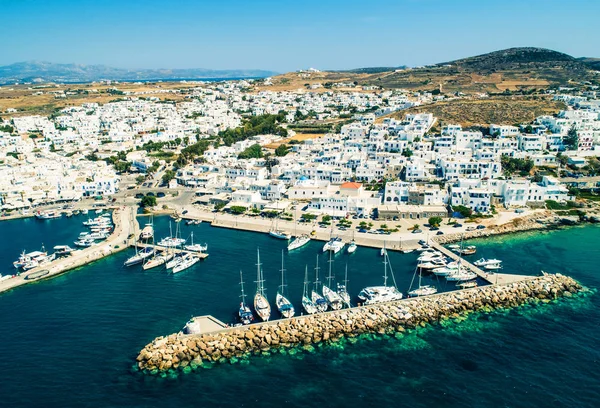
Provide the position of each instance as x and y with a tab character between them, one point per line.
284	306
317	299
342	290
277	233
307	303
157	259
332	297
422	290
298	241
148	231
195	247
170	241
352	247
139	257
187	261
244	313
178	258
378	294
261	304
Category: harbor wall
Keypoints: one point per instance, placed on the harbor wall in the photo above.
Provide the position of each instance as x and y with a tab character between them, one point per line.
186	352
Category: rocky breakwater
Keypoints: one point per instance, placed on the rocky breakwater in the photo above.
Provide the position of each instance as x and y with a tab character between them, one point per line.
188	352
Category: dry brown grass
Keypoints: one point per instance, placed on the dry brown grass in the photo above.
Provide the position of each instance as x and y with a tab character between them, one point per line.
23	98
298	136
469	112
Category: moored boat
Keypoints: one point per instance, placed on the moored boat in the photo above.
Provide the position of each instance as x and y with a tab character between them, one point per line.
244	313
261	304
352	247
187	262
298	242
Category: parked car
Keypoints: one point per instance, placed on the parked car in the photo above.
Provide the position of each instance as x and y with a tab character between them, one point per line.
470	228
160	194
440	233
139	195
184	211
457	225
362	230
481	227
416	231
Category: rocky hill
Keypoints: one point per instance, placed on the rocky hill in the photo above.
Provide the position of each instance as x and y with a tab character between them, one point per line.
513	69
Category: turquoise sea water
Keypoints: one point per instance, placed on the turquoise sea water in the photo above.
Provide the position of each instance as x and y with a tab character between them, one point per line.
71	341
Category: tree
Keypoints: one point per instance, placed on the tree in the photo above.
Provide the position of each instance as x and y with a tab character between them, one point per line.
140	179
407	152
562	159
571	140
326	219
168	176
308	217
148	201
281	150
416	227
252	152
435	221
237	209
363	225
465	212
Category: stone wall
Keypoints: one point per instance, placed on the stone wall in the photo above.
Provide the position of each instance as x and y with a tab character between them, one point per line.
179	351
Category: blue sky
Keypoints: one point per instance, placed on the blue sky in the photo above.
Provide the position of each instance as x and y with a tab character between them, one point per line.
283	35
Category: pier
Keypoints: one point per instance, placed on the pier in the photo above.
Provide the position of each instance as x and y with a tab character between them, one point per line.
188	352
201	255
488	276
125	226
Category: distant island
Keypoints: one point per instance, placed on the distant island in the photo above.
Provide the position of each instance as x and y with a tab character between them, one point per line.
36	71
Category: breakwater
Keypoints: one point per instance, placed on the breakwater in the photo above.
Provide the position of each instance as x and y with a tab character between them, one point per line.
184	352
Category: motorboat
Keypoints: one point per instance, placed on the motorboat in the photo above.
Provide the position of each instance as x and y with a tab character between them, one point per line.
443	271
492	267
484	262
147	232
470	250
333	298
298	242
84	242
84	211
378	294
461	276
62	250
467	284
25	258
382	252
279	234
352	247
139	257
423	290
47	215
171	242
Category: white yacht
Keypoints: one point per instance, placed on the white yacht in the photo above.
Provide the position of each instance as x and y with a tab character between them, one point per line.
147	232
261	304
63	250
25	258
342	290
187	261
492	267
334	245
284	306
484	262
461	275
298	242
307	303
421	290
196	247
244	313
279	234
352	247
84	242
139	257
170	242
332	297
378	294
318	300
157	260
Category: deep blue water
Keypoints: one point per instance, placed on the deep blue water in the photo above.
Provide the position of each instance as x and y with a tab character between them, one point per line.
71	341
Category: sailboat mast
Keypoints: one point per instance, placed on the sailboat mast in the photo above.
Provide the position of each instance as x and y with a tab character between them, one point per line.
385	262
329	277
282	273
317	274
305	291
258	273
346	277
243	296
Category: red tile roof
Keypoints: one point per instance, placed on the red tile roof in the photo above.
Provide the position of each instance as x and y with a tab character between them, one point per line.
351	185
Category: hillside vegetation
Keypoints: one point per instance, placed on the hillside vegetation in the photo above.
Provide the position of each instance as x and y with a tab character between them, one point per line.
501	110
512	69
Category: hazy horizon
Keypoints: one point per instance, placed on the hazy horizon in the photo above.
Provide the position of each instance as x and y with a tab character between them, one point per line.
270	35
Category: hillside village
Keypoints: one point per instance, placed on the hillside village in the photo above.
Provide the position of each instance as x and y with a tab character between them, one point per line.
242	150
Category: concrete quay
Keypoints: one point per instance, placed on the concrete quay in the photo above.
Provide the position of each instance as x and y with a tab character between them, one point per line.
124	225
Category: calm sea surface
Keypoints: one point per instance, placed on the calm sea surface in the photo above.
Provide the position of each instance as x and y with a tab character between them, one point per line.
72	341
